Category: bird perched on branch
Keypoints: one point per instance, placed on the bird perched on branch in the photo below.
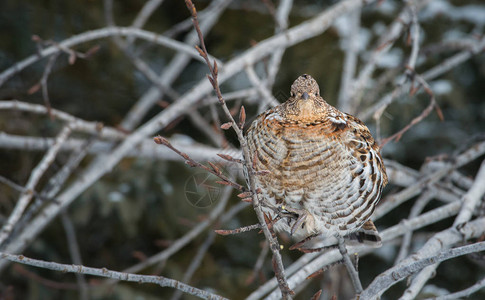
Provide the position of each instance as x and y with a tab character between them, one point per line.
324	169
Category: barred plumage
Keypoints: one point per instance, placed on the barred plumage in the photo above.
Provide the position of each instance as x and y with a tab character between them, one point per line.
324	165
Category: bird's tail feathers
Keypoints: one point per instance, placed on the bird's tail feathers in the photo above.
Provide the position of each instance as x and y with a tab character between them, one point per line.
367	235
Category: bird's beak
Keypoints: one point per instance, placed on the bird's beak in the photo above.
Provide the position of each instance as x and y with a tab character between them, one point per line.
305	96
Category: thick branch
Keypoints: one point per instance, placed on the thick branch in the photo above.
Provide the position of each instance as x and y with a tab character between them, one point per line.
398	273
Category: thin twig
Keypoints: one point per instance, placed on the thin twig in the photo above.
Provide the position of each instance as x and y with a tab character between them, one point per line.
432	105
384	44
281	20
189	161
417	208
259	263
353	273
142	17
43	82
73	246
146	148
196	262
12	184
238	230
418	281
267	97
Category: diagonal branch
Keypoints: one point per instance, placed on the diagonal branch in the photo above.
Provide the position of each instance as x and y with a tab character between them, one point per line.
464	293
398	273
35	176
277	260
421	116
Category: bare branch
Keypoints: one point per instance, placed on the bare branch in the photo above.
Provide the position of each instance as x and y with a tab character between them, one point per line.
196	262
79	124
464	293
384	44
385	72
189	161
267	97
259	263
75	254
350	62
95	35
419	118
398	198
432	73
146	148
43	82
354	275
238	230
472	197
416	210
312	262
103	272
174	68
36	174
415	37
400	272
189	236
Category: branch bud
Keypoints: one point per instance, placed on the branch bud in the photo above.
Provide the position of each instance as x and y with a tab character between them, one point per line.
161	140
216	70
242	117
226	126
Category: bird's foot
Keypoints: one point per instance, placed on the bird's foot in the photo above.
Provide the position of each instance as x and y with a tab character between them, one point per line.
302	242
312	250
294	213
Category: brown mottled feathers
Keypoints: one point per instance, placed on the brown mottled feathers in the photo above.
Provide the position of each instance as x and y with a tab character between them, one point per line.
323	163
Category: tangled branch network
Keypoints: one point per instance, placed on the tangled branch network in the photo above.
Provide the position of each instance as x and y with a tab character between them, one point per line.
100	129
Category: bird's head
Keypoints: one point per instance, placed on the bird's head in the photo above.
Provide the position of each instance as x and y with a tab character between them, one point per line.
305	103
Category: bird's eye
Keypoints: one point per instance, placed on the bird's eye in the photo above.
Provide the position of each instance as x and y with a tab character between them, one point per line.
292	94
316	94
